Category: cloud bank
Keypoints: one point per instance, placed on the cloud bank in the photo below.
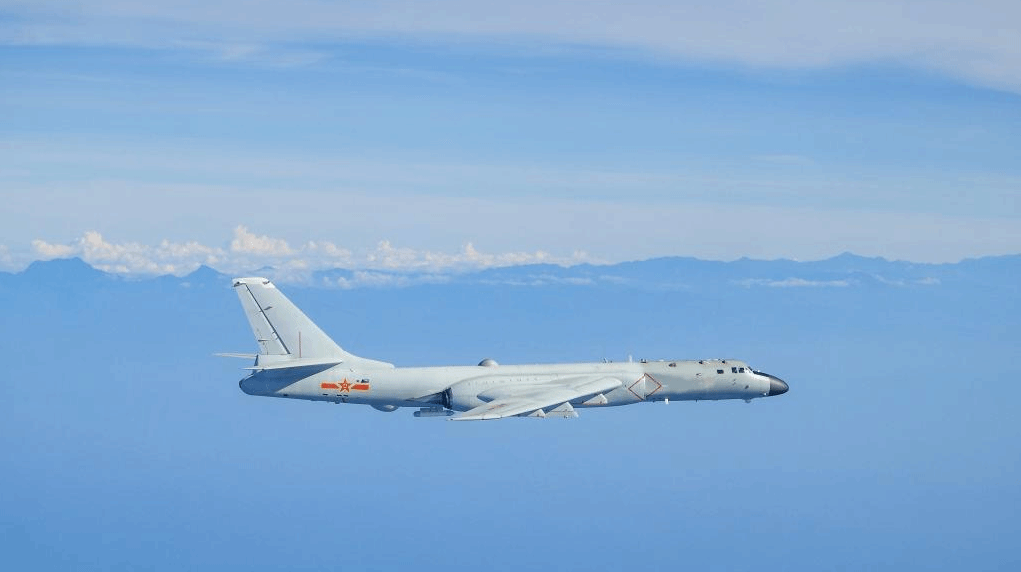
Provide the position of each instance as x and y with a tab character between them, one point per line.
132	257
248	252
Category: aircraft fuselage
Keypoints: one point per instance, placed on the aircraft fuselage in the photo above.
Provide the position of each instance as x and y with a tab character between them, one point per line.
453	386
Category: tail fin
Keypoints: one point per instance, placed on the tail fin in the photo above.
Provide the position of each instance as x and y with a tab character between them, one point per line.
284	331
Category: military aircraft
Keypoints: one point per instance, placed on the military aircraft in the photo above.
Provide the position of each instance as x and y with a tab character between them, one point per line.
298	361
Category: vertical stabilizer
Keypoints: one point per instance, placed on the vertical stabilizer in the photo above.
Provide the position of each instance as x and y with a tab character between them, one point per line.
281	329
265	335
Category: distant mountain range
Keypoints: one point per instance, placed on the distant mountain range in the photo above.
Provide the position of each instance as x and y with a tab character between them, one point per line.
670	273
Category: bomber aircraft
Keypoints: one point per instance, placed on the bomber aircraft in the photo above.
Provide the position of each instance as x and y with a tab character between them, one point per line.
298	361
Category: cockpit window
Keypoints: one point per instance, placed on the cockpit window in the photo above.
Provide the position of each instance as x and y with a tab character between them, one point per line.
740	370
720	371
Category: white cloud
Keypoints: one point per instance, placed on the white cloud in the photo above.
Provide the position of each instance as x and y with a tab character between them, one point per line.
793	283
48	251
329	250
370	278
542	280
975	41
388	256
250	243
928	281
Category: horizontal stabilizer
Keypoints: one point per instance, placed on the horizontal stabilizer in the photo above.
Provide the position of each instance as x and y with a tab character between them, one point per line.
322	365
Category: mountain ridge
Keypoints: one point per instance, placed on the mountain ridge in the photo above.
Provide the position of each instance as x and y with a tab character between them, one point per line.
843	270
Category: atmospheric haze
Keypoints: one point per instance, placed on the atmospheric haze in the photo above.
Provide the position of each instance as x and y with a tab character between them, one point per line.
128	444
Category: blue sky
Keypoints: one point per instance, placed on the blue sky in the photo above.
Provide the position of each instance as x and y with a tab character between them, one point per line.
152	139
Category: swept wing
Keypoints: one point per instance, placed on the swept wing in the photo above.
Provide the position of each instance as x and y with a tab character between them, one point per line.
511	400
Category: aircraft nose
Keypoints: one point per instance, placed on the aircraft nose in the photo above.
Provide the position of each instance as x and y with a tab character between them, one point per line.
777	386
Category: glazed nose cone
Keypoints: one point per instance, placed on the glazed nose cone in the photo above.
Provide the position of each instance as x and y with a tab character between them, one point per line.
777	386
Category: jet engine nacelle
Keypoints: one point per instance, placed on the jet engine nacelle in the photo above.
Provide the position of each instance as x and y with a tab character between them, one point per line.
464	395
